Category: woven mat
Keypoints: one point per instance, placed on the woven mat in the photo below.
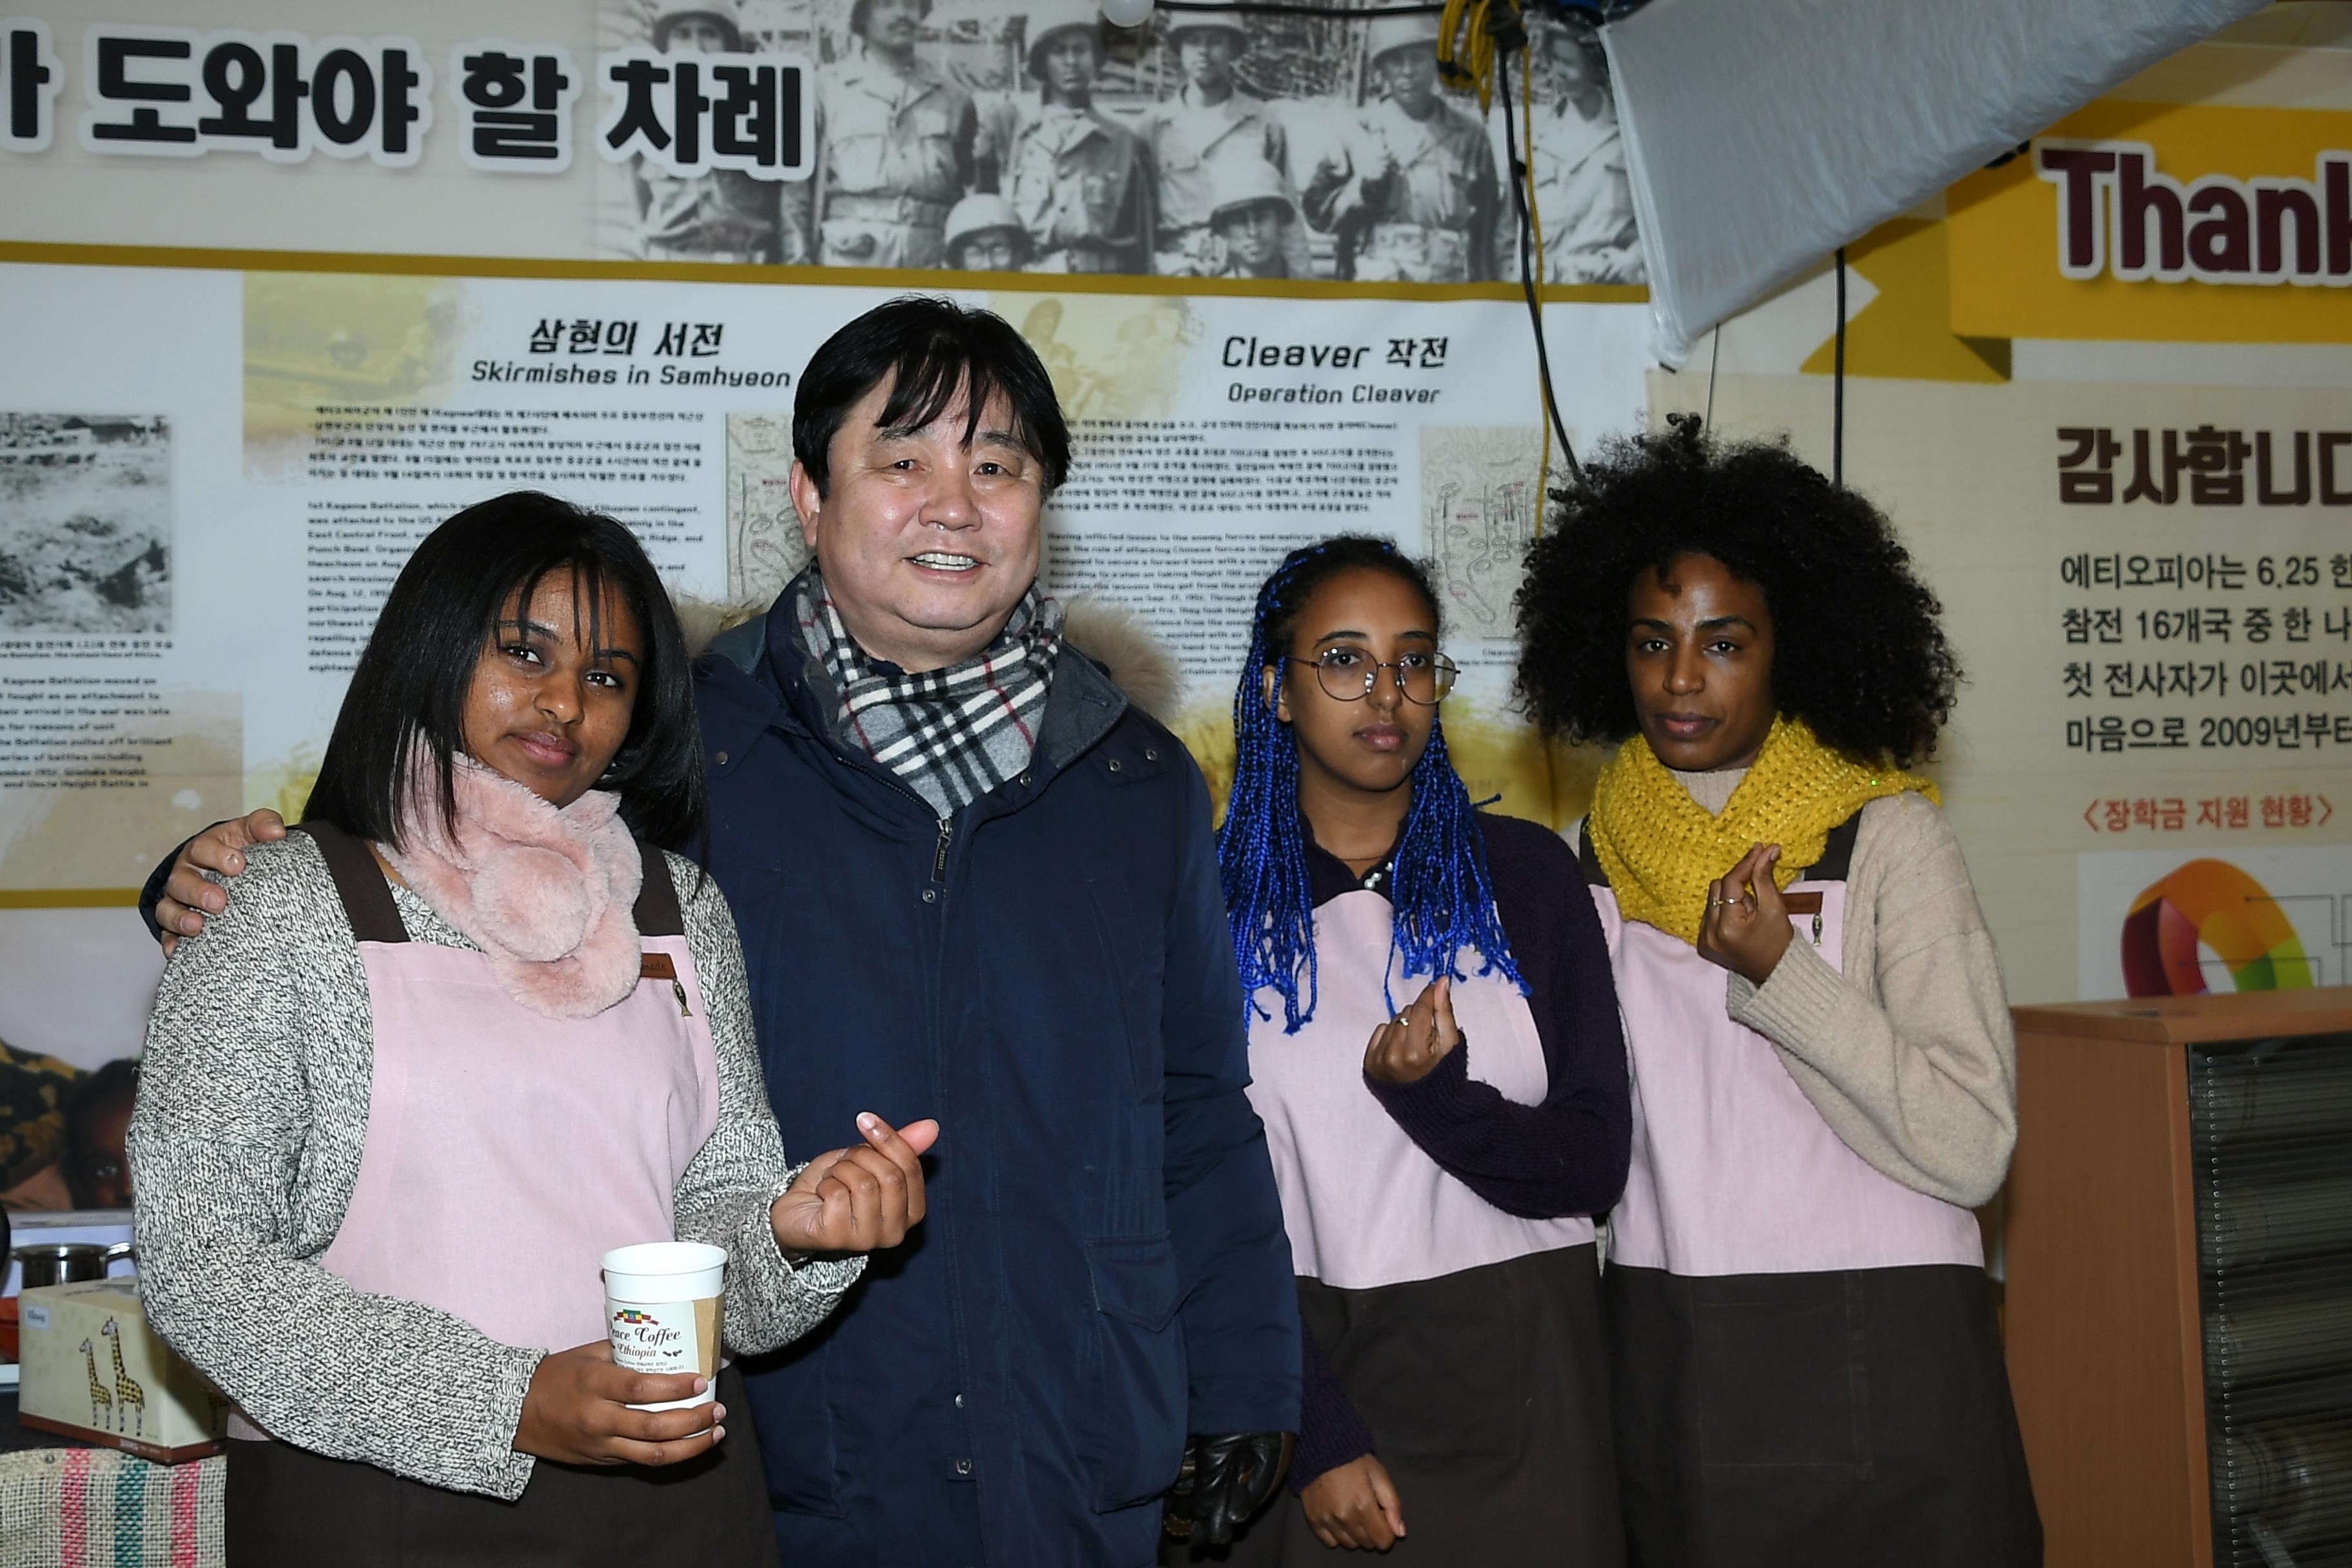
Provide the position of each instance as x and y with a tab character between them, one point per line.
98	1508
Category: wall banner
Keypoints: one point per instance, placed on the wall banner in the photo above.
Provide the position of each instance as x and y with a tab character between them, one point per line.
877	137
2107	399
210	480
2178	222
285	284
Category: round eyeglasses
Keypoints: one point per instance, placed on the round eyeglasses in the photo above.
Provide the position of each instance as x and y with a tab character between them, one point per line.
1351	675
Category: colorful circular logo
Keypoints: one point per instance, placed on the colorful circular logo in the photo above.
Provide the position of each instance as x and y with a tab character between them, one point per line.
2211	908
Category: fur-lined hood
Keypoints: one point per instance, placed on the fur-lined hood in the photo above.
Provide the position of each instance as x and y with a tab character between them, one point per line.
1138	657
1104	630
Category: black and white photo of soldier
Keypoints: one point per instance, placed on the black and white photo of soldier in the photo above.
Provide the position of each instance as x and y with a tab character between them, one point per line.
1252	222
1583	199
1077	177
1115	146
1208	125
896	145
720	215
1410	194
985	234
85	523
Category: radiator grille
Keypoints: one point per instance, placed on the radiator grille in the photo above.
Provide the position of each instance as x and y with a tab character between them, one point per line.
2270	1130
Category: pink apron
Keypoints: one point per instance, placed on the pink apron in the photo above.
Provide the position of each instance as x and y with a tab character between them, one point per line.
1734	1172
1363	1205
1806	1364
1468	1340
508	1151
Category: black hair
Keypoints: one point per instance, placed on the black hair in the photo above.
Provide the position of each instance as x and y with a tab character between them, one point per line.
409	689
116	1083
1440	888
932	351
1859	653
1283	597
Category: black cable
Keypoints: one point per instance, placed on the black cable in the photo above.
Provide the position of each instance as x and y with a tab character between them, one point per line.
1528	281
1591	15
1529	284
1713	363
1837	404
1264	8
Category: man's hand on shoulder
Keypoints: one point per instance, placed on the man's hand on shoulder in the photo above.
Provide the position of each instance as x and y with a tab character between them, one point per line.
190	898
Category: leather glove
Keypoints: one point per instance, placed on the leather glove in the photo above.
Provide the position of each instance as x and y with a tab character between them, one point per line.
1227	1476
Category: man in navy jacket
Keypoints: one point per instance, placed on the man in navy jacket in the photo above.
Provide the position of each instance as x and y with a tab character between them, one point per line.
973	882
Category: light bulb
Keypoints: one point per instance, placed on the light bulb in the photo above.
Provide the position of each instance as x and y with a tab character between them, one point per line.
1127	13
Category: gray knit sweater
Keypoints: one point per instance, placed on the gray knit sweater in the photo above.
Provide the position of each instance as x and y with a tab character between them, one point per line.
252	1117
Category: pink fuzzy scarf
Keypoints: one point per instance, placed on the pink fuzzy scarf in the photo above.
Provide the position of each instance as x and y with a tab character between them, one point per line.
550	895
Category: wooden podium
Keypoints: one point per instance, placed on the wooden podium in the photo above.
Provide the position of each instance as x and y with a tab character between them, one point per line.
2108	1295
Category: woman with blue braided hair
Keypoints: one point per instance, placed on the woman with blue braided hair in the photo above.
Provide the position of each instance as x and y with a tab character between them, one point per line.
1434	1051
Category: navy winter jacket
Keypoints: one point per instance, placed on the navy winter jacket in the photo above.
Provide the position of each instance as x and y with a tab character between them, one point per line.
1050	974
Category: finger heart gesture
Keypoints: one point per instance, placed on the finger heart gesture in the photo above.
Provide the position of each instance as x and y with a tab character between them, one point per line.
856	1199
1745	926
1409	1046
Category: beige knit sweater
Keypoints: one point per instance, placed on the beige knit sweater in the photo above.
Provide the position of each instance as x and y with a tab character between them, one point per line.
1905	1049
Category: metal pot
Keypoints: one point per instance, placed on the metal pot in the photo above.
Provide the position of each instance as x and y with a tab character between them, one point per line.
67	1262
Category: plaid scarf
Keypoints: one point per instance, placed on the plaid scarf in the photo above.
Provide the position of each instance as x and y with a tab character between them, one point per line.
951	734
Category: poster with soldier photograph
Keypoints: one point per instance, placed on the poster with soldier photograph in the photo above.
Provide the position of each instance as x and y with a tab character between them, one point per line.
1034	137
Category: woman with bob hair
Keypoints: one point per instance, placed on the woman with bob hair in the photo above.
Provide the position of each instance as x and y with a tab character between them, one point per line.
460	1033
1434	1052
1805	1361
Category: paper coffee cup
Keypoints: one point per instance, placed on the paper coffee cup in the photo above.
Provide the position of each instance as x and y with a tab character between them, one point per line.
662	1302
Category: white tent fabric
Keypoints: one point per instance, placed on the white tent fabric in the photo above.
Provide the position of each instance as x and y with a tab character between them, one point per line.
1762	134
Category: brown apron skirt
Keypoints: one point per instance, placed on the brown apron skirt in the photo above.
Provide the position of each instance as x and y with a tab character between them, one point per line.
1856	1418
1486	1395
287	1508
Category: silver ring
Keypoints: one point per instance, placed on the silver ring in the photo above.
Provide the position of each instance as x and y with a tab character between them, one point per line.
1400	1018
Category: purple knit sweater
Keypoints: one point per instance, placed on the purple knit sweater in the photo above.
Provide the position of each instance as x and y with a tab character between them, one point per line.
1565	1156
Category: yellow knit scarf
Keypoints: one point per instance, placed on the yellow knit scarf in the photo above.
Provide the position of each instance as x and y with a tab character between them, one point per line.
1661	848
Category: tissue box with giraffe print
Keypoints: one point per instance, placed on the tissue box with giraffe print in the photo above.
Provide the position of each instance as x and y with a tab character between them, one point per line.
94	1370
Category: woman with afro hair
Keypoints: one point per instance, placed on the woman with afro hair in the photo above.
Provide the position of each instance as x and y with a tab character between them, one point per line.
1435	1054
1805	1361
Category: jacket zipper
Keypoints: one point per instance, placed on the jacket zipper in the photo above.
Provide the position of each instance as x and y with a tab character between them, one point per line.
947	825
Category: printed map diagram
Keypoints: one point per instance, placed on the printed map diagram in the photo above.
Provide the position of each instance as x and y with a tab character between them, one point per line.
1479	508
764	548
